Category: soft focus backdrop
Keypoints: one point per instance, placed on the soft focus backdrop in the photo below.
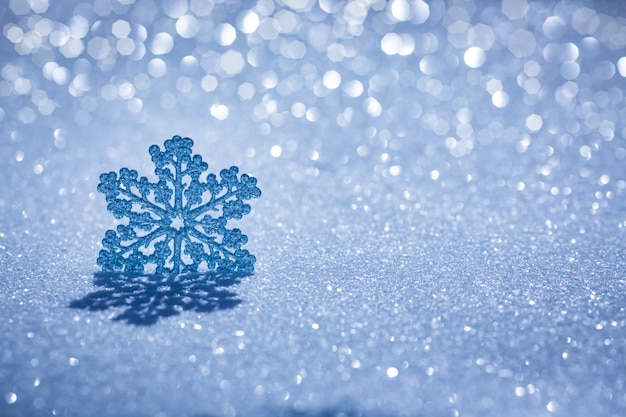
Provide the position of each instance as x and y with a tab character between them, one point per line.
441	231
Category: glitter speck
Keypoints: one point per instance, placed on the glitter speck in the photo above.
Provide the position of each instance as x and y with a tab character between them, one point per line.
120	29
332	80
10	397
276	151
187	26
373	107
231	62
395	44
621	66
474	57
225	34
395	170
392	372
400	10
353	88
534	122
604	180
209	83
552	406
162	43
514	9
157	67
500	99
219	111
248	21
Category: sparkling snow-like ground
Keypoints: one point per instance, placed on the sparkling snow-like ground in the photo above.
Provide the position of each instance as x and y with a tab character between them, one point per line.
441	231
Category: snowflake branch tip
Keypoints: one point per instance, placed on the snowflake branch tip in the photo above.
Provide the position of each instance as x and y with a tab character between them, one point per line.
178	224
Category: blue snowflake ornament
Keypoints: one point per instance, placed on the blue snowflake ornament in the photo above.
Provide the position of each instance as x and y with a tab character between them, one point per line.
177	224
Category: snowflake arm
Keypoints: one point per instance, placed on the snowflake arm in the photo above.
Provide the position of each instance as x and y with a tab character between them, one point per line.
177	224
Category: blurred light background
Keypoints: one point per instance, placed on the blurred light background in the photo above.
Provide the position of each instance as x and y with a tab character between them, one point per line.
527	94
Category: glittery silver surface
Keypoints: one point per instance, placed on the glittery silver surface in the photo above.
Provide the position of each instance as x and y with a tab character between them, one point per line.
442	225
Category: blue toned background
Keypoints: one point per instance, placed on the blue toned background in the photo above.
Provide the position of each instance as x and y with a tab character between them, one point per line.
441	231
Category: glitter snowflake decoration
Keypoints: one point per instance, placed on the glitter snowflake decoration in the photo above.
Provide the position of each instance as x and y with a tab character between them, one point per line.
177	224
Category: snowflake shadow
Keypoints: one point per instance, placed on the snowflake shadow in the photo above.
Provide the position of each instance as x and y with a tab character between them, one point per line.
144	298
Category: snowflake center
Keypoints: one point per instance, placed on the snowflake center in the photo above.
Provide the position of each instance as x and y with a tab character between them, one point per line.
177	223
